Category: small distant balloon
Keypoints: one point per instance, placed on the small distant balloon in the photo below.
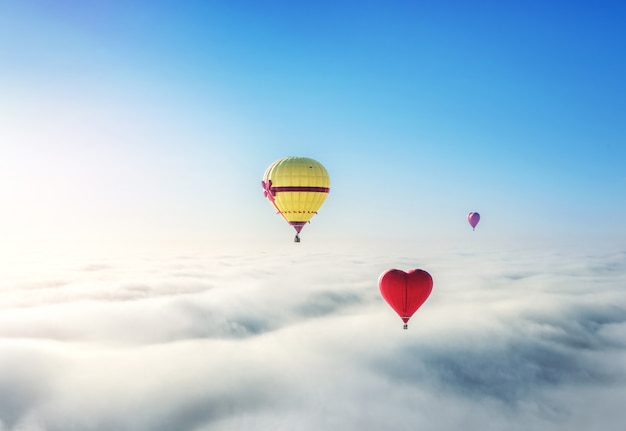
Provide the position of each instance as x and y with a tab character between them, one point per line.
405	292
473	219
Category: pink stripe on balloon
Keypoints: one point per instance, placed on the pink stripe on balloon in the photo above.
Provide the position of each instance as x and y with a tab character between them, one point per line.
297	225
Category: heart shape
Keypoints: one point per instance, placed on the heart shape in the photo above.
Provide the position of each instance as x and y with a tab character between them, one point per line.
405	292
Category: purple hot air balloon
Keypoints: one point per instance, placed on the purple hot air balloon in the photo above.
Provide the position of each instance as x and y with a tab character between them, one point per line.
473	219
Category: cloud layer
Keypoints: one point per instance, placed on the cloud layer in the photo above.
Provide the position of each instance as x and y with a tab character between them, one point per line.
205	338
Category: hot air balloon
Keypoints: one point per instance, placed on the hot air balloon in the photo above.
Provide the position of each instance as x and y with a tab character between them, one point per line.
297	187
473	219
405	292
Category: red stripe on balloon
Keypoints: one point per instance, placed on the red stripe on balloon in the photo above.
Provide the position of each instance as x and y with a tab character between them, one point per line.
301	189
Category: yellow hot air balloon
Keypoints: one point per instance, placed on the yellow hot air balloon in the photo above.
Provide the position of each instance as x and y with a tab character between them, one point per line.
297	187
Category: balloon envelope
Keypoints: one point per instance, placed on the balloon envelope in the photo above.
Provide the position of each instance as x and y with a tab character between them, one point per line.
405	292
473	219
297	187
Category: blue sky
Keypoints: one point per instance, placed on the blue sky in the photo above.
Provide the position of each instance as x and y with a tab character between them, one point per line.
157	120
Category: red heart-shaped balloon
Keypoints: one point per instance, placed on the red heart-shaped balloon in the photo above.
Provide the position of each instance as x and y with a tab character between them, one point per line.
405	292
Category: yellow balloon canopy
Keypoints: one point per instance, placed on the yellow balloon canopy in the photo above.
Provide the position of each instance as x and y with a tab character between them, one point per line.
297	187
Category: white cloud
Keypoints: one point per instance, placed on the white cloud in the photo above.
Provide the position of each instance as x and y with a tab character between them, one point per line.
298	337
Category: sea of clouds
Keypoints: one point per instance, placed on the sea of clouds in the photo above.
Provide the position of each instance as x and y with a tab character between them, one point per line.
209	337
